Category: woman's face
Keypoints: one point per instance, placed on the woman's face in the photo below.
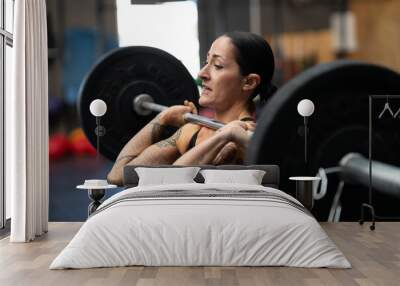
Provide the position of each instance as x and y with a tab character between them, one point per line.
222	81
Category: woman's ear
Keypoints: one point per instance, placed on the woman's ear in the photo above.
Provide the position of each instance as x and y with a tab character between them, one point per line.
251	81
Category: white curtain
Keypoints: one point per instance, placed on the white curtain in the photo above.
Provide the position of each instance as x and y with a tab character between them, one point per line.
27	168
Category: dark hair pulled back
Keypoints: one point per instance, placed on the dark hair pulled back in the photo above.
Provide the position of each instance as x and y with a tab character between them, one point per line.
254	55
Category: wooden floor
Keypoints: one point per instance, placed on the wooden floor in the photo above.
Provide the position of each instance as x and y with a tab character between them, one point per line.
374	255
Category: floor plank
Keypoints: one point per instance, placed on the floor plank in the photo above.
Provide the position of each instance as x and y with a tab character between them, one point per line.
374	255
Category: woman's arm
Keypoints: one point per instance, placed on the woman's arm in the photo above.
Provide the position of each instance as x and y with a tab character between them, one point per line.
135	151
148	135
163	152
222	145
205	152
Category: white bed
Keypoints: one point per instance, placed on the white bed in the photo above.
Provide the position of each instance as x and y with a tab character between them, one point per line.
201	224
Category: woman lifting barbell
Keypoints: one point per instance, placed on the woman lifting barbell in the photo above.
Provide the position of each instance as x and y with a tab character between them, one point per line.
239	67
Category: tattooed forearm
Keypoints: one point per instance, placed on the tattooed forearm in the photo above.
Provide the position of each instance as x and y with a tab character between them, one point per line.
170	142
166	143
156	131
160	131
140	149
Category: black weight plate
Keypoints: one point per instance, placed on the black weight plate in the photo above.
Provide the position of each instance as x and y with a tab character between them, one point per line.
338	126
121	75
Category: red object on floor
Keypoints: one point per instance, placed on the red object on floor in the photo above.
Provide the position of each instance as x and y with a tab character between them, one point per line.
80	145
90	149
58	146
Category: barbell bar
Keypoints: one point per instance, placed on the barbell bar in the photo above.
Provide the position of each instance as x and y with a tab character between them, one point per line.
144	104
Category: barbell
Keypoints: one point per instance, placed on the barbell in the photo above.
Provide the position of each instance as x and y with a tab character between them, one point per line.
143	104
339	90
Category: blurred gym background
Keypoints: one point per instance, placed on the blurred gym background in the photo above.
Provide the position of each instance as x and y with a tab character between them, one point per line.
302	33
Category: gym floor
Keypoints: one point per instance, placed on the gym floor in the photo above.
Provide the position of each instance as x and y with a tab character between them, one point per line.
66	203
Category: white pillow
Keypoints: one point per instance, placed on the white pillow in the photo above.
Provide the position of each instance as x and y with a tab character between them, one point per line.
163	176
248	177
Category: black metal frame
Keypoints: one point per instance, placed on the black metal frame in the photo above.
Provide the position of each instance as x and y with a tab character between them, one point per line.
369	205
6	38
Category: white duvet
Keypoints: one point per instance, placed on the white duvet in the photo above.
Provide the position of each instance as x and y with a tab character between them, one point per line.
201	230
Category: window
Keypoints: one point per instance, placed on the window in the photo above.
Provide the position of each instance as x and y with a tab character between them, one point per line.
6	43
174	31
